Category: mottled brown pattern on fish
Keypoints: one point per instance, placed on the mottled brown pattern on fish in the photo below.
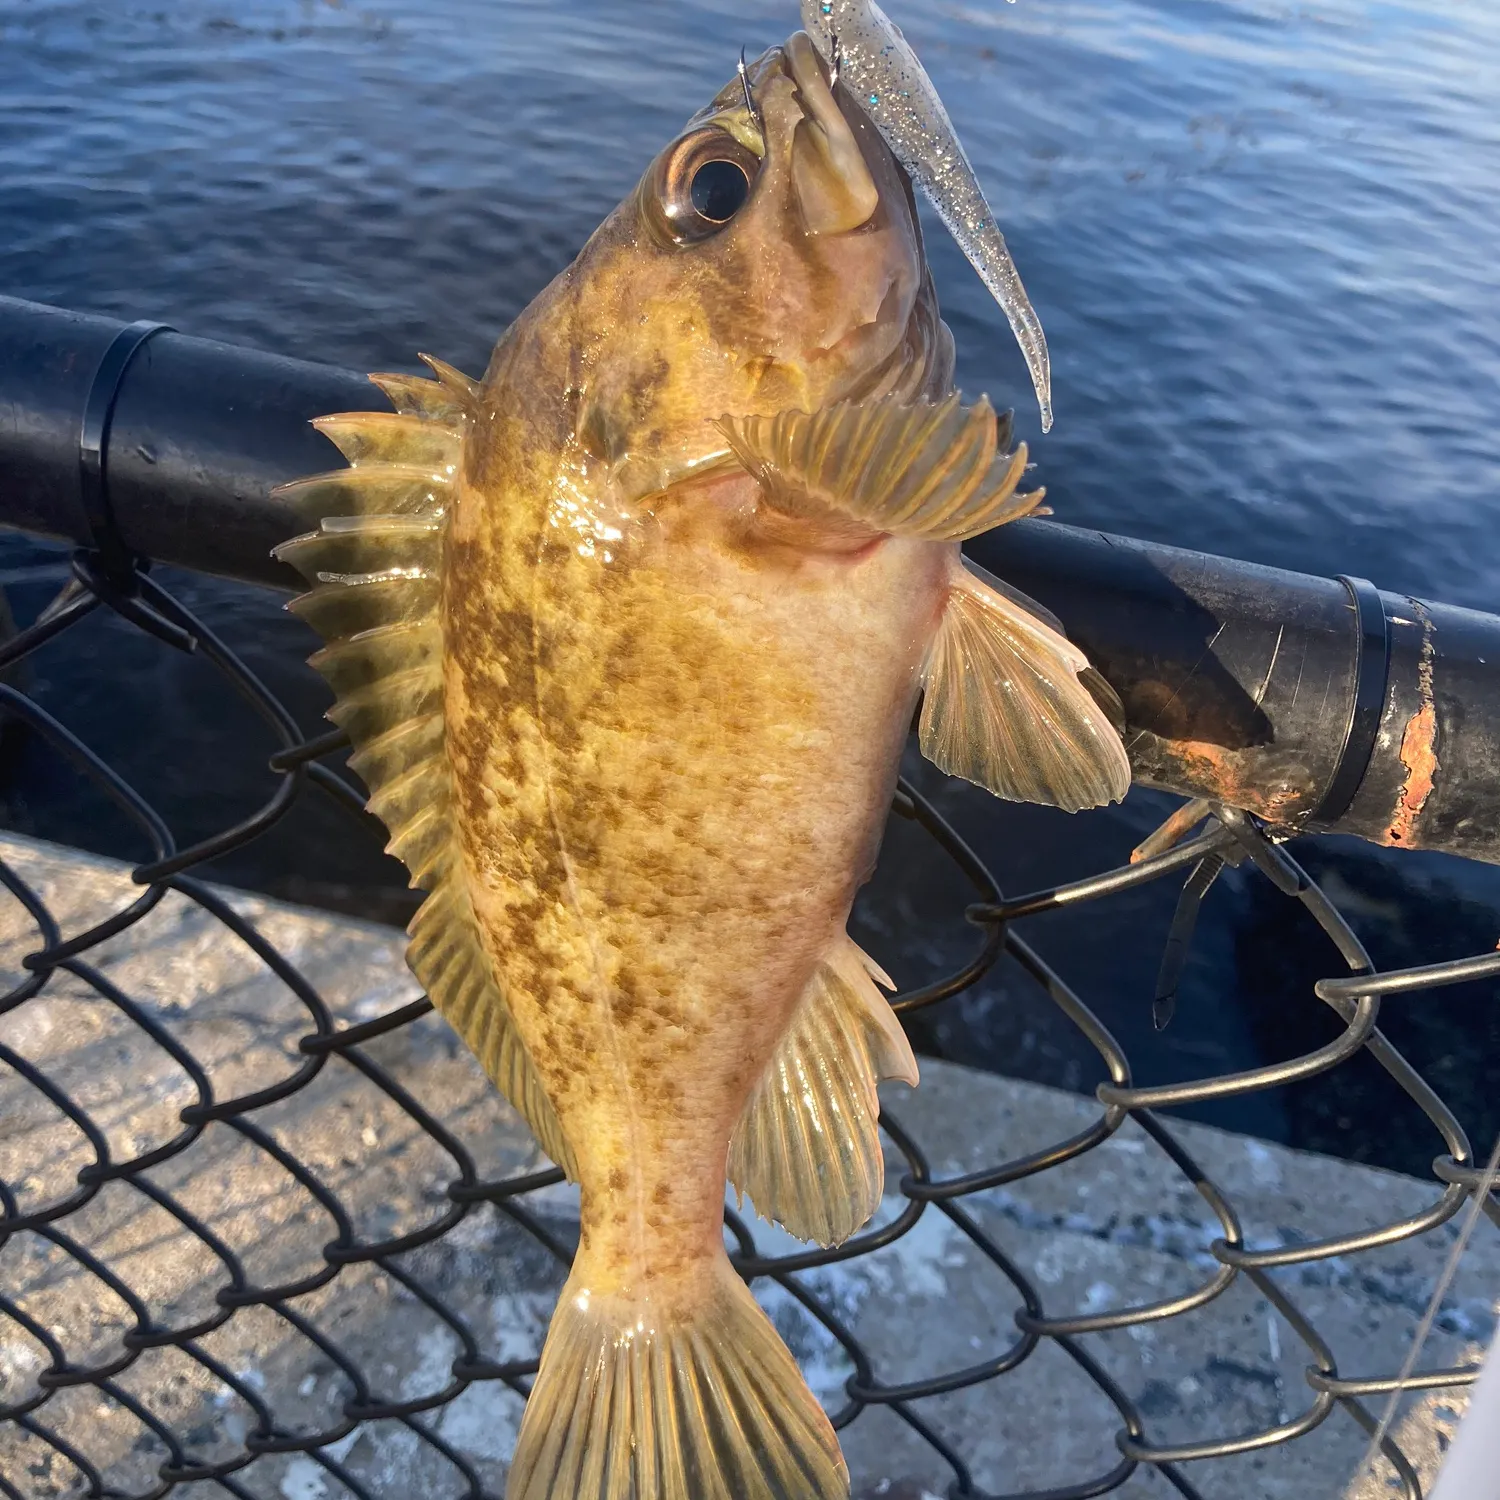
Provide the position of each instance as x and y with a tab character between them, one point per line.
632	718
670	764
672	741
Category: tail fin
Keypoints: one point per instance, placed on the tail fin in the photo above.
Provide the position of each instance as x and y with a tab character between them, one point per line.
697	1403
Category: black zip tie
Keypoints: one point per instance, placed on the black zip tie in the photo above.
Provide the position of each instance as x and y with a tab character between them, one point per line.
117	562
1372	664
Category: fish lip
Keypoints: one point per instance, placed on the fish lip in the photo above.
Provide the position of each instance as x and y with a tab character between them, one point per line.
818	74
896	210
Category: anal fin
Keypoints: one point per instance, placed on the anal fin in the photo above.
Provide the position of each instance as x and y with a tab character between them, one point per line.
807	1149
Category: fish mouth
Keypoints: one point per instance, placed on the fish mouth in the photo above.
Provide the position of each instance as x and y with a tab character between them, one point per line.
848	182
861	320
906	109
835	188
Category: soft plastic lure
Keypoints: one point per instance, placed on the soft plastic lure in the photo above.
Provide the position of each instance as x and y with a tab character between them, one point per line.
873	59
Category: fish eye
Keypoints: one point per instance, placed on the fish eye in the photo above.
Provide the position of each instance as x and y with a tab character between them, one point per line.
719	190
697	186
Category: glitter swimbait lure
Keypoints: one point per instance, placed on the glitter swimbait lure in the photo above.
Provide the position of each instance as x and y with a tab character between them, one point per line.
872	57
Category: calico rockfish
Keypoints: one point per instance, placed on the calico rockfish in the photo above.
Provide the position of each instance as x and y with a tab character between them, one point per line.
627	637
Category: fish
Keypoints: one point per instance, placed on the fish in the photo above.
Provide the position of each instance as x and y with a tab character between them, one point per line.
627	637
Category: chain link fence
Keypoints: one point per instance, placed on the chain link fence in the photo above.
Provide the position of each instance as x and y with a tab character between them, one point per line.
46	1448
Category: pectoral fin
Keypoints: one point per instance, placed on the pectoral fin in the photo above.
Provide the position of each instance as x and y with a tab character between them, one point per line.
903	468
1005	706
1098	686
807	1149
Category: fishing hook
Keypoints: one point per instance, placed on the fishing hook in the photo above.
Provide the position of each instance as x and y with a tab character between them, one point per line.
744	73
834	58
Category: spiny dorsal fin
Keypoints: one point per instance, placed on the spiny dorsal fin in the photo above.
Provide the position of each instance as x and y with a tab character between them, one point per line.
908	468
375	563
807	1149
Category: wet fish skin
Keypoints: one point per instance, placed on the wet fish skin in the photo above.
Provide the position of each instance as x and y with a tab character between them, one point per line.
674	730
673	736
627	638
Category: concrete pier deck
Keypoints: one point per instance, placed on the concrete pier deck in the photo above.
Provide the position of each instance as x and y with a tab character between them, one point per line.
1119	1226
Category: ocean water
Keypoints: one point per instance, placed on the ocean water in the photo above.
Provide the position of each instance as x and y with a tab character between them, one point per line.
1262	236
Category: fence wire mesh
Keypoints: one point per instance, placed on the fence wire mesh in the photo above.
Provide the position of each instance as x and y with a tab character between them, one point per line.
116	1325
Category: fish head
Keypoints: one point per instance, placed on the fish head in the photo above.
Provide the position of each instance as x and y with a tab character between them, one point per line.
769	260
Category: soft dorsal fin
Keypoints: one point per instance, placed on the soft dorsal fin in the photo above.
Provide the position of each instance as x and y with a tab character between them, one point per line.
907	468
375	563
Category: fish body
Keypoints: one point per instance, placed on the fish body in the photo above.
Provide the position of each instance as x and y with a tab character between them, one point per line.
628	637
674	730
673	768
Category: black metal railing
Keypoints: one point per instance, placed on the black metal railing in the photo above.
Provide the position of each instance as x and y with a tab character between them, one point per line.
1142	622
